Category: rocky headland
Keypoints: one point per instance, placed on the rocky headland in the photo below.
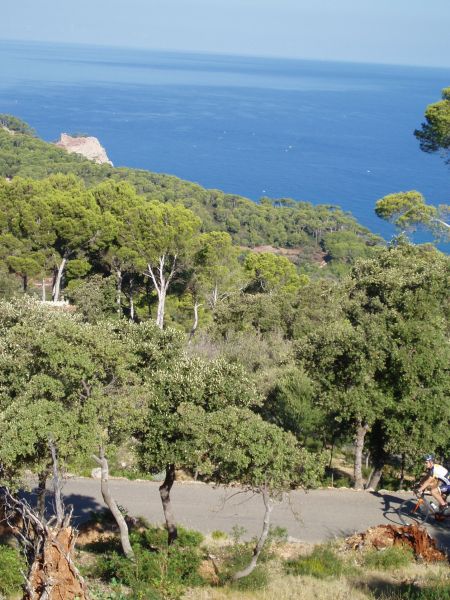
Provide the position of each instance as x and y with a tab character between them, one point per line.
87	146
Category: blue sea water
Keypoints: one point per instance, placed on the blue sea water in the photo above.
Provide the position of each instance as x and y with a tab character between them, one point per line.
324	132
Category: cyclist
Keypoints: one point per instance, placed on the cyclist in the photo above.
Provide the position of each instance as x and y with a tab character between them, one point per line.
437	480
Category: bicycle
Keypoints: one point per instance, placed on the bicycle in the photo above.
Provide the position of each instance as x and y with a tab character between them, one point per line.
419	510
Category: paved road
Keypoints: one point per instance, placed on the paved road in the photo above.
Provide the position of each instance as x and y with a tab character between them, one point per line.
314	516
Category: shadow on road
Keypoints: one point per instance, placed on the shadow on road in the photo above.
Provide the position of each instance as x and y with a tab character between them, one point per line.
83	506
391	504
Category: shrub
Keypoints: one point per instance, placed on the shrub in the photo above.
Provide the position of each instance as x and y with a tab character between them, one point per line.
158	571
322	562
239	555
389	558
11	565
218	535
257	580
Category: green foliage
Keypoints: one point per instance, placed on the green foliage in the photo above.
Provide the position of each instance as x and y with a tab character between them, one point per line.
323	562
182	394
272	273
384	358
394	557
240	446
282	223
53	372
158	571
408	211
291	405
16	125
12	564
218	535
115	592
9	285
239	554
434	135
347	246
94	297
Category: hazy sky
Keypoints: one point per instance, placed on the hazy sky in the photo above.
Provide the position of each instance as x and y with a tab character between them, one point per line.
387	31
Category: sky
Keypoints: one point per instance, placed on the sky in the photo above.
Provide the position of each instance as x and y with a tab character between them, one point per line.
411	32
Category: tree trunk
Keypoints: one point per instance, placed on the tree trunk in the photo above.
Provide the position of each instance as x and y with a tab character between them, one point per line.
195	324
265	532
131	300
164	492
375	476
331	455
25	283
379	456
112	505
57	487
161	307
214	296
41	494
361	431
402	473
43	291
58	277
119	292
161	284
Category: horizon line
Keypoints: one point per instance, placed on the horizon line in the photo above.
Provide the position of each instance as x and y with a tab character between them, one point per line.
225	54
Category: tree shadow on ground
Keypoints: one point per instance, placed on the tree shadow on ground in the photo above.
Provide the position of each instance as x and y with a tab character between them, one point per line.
83	506
391	504
385	589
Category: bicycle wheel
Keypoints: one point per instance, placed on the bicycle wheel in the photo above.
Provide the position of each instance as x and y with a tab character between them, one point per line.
414	511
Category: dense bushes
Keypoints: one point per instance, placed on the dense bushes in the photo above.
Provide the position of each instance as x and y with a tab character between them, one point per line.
322	562
158	571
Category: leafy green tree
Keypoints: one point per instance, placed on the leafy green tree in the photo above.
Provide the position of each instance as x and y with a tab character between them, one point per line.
410	285
215	272
272	273
75	222
290	404
16	125
281	223
190	383
408	211
57	382
434	134
94	297
344	360
388	350
239	446
161	235
55	219
348	246
115	199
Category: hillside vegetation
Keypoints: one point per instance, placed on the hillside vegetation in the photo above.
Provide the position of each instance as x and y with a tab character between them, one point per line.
149	326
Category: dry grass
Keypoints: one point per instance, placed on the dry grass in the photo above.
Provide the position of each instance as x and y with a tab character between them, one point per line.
362	586
286	587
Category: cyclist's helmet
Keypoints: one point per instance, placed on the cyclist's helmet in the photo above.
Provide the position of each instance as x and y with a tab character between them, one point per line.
428	457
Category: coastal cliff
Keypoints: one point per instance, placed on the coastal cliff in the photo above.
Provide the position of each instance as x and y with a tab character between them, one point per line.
89	147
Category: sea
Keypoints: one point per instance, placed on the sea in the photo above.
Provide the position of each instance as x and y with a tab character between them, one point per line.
324	132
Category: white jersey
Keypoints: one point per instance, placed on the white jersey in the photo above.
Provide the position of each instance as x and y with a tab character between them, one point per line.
440	472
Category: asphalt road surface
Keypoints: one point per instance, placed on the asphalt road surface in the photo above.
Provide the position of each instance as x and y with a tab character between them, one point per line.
314	516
